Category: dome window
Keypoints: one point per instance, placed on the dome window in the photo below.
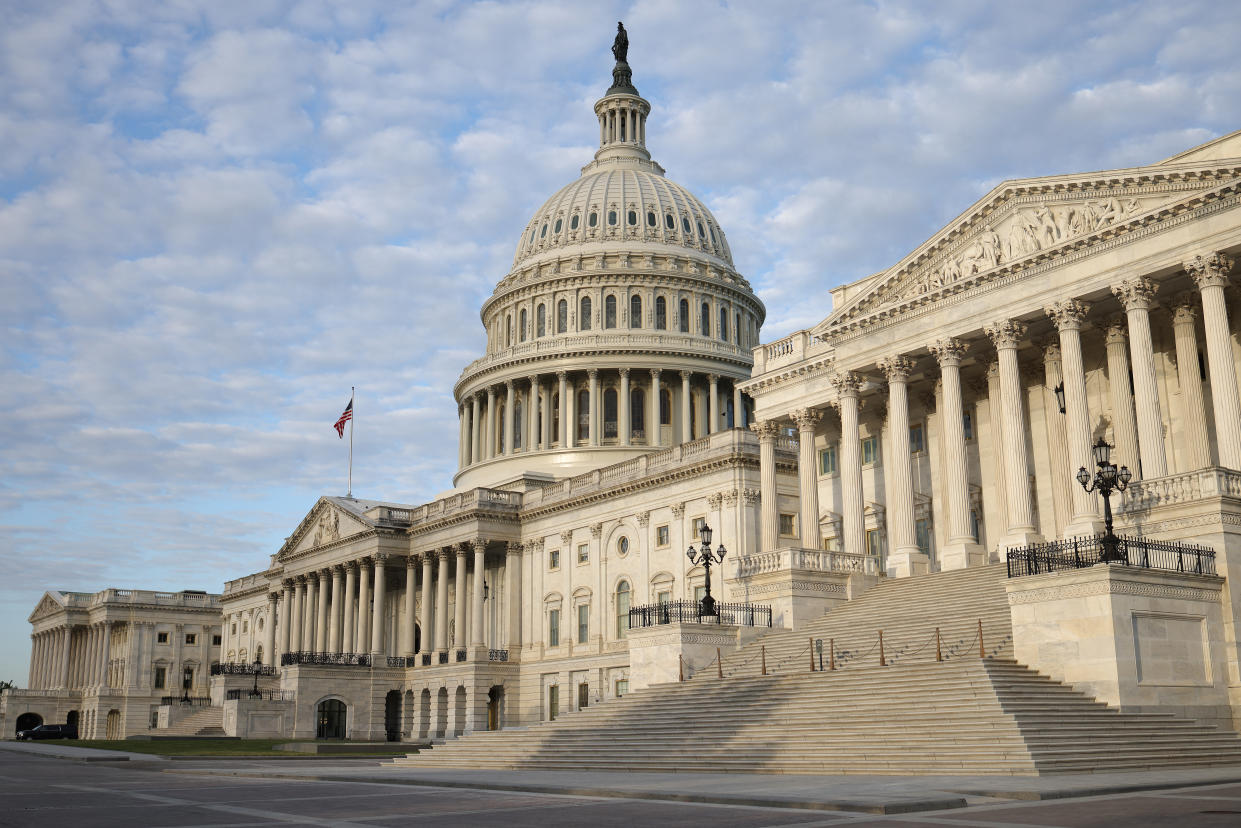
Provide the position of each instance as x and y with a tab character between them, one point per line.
669	222
684	224
650	218
531	235
559	224
661	313
612	217
633	217
583	316
573	222
712	229
701	233
609	311
594	220
635	311
543	232
683	316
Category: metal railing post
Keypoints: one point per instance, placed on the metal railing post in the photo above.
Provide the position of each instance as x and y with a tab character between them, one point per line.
939	653
982	650
681	667
719	664
764	659
831	658
882	661
811	654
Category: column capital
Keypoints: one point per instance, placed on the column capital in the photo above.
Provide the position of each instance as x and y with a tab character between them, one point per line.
1184	308
508	385
513	548
412	561
461	547
338	569
533	379
848	384
444	553
289	583
562	375
765	429
713	378
273	596
592	373
685	375
380	558
1209	270
948	352
302	580
478	545
806	418
1068	314
491	393
896	368
1137	293
655	372
624	372
1051	351
1006	333
1117	330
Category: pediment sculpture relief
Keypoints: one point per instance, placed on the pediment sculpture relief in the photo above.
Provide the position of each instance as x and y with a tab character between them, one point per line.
328	528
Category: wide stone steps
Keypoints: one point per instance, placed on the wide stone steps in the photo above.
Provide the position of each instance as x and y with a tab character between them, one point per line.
209	721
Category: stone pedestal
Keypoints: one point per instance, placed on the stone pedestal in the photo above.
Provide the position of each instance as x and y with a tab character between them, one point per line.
801	584
258	718
960	556
1140	640
906	563
657	654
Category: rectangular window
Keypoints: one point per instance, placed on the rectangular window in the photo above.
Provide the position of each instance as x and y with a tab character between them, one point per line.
161	677
622	687
553	702
583	623
583	553
870	451
553	628
215	641
661	535
664	597
788	525
234	631
917	441
191	639
872	542
553	559
922	532
161	638
699	522
699	593
974	524
967	425
827	460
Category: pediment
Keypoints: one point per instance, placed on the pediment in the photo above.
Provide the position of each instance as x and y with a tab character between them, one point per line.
325	524
1022	223
47	606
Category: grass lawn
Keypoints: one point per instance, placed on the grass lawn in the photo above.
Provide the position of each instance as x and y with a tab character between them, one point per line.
224	747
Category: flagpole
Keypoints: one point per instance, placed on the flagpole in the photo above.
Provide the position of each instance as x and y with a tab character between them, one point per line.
354	412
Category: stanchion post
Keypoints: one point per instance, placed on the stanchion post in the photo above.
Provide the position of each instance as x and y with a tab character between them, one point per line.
811	654
883	662
764	659
681	666
831	656
982	650
719	663
939	653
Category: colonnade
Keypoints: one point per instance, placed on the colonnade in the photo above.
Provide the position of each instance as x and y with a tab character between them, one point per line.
569	411
1138	422
71	657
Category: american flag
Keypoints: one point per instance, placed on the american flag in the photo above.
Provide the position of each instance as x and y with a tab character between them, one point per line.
345	417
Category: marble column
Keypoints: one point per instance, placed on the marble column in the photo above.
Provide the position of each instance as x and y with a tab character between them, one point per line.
411	593
848	387
1069	316
510	436
458	636
532	415
441	603
769	513
308	611
378	645
286	619
545	392
713	405
738	407
807	475
105	655
905	558
1193	410
687	426
428	629
512	594
334	618
296	625
321	614
592	428
349	612
1124	421
1057	440
654	431
362	632
478	636
562	435
1210	273
571	438
1005	334
462	442
624	407
489	438
1137	296
269	635
475	403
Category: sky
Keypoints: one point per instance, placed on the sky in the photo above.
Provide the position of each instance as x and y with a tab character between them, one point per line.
216	217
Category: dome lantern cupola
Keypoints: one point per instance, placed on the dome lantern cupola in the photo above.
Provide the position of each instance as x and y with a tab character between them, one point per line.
622	112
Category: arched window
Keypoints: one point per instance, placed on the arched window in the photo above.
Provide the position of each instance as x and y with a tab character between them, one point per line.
669	222
331	719
737	328
555	417
665	407
583	315
543	232
633	218
583	415
258	654
508	331
559	224
635	311
612	217
623	594
724	324
637	412
609	413
650	218
593	221
540	324
704	319
609	311
573	222
500	407
684	225
562	316
683	319
661	314
517	429
521	326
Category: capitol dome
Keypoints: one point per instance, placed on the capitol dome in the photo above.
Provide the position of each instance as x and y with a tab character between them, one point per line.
621	328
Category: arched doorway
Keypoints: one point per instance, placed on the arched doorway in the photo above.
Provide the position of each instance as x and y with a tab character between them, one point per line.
417	638
495	707
71	718
441	713
113	724
424	715
459	712
27	721
331	718
407	714
392	716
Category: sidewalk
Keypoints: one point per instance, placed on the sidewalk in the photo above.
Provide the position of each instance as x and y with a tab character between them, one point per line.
80	754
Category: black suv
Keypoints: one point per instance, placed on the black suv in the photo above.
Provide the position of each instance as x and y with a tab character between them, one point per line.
46	731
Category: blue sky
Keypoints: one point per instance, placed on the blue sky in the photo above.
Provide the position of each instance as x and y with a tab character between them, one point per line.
216	217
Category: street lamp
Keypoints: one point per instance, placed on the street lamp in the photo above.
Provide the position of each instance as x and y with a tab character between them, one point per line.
703	555
258	665
1106	479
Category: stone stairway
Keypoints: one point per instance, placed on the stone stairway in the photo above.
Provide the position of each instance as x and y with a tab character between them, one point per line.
208	721
964	715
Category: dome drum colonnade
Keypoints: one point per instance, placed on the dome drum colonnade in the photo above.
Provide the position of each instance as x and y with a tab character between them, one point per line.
1136	418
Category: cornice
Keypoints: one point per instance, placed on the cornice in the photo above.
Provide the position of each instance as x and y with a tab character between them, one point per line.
820	366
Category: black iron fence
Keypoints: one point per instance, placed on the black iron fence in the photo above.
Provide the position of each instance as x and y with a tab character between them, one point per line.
401	661
194	701
1079	553
242	669
238	693
336	659
690	612
497	655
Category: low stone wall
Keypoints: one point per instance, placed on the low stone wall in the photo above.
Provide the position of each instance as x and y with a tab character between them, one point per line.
659	655
258	718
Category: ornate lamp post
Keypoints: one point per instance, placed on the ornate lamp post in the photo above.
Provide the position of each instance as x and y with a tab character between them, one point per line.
1107	478
703	555
258	665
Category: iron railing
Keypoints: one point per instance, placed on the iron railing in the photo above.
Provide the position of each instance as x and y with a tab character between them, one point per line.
497	655
1083	552
443	657
400	661
690	612
460	655
337	659
194	701
242	669
426	659
239	693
